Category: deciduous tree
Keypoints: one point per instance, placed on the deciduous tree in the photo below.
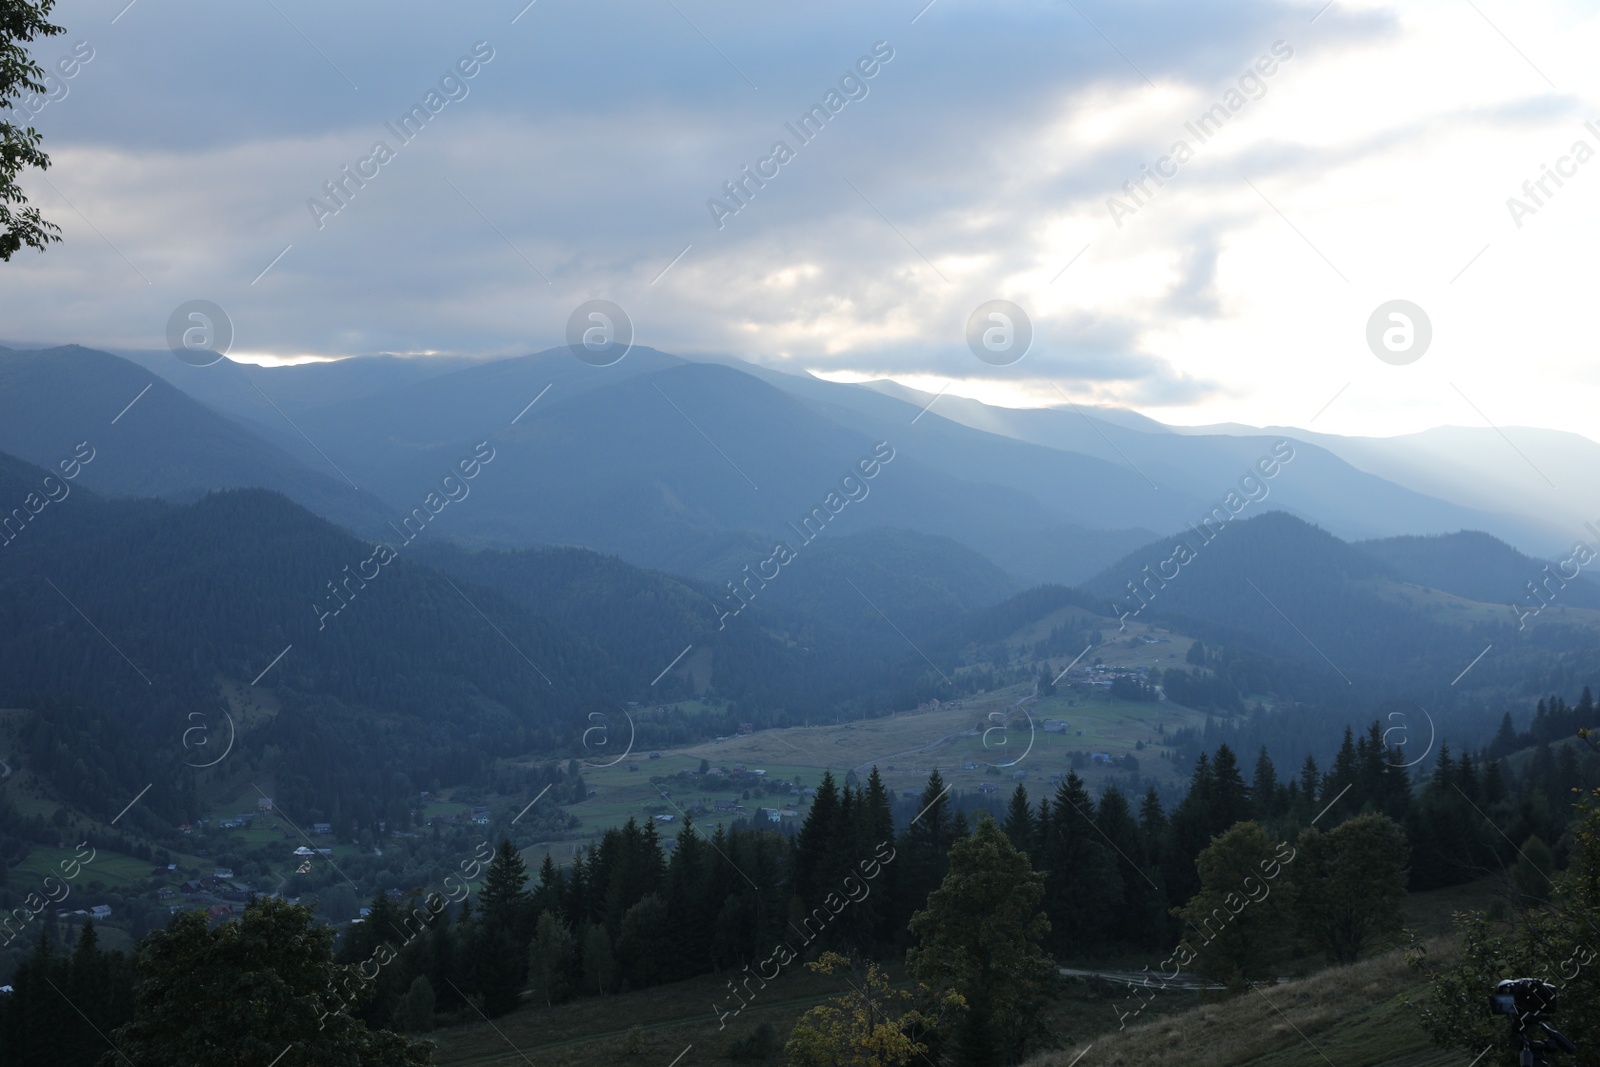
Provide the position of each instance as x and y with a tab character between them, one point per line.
1349	884
981	936
21	21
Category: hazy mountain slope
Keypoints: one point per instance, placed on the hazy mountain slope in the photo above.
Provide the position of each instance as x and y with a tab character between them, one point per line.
1477	566
1548	479
1036	507
1323	485
918	581
697	469
165	444
226	386
1297	592
657	459
384	429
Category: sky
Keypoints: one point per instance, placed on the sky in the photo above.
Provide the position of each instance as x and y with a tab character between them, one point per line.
1357	154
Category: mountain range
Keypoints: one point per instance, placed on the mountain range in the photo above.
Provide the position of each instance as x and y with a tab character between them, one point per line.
422	567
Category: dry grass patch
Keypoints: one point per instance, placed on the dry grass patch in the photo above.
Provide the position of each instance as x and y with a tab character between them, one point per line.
1350	1015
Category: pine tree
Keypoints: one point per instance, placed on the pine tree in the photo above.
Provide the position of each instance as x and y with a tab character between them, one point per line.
1019	826
1153	829
1264	786
1505	739
1310	779
1467	777
501	937
1082	882
505	896
1231	801
815	844
551	892
1140	916
689	901
1191	830
927	845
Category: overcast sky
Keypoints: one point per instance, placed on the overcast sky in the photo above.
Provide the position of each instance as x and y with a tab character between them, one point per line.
1373	163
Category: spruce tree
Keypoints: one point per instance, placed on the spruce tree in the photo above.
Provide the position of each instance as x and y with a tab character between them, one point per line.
1264	786
1082	882
1140	915
1019	826
502	940
925	855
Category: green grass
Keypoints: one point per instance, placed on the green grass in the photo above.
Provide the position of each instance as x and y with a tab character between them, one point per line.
591	1032
1349	1016
108	868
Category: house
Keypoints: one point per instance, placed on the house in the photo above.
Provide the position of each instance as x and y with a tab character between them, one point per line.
746	728
219	911
164	892
322	828
655	755
1100	757
100	912
223	874
263	803
988	787
633	766
665	818
191	886
1055	726
303	852
770	814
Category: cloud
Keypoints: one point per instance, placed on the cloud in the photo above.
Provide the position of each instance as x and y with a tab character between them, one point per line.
977	165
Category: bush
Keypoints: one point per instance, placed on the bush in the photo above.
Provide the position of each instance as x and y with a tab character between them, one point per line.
760	1044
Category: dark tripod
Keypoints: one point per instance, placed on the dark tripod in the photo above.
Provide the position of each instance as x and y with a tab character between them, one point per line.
1527	1001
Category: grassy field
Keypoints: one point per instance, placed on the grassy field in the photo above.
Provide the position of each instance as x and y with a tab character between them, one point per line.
1449	608
1350	1016
985	739
677	1018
